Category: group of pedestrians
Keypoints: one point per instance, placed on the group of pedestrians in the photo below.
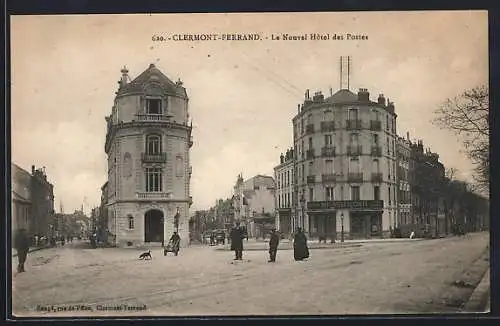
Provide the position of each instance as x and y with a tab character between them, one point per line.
300	248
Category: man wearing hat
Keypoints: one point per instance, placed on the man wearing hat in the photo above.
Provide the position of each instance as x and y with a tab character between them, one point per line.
237	235
273	246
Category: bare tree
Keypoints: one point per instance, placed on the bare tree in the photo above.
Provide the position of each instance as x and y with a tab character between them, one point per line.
467	115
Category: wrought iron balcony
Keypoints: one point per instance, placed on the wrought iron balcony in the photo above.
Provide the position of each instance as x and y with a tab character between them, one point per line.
377	177
354	150
311	179
327	125
328	151
330	177
310	153
154	195
309	129
153	117
353	124
154	157
376	151
375	125
355	177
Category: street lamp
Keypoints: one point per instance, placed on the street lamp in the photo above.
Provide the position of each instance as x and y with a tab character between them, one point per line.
341	227
176	220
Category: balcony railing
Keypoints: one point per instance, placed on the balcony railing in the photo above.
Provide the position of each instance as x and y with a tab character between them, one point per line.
375	125
354	150
353	124
356	177
328	151
327	125
309	129
376	151
153	117
154	195
310	153
330	177
154	158
377	177
311	179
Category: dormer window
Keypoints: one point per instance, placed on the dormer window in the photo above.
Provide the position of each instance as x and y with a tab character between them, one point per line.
153	106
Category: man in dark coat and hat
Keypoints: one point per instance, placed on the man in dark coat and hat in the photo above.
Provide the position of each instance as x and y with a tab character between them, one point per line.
237	235
300	249
273	246
22	244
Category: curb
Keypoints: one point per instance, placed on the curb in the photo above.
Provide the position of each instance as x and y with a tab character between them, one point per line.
479	301
291	248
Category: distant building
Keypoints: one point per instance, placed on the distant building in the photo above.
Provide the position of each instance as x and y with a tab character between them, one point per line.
284	176
345	165
32	201
254	204
147	143
427	179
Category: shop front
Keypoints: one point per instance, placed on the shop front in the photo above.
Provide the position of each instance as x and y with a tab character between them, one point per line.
365	225
285	221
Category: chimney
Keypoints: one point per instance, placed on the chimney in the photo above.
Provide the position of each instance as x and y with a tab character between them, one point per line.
318	97
32	169
281	158
124	79
381	99
363	95
408	136
298	108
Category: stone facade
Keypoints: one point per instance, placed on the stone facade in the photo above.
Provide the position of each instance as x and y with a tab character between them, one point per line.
284	176
345	154
149	172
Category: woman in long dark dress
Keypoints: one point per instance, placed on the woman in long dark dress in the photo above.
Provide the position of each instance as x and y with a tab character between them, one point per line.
300	249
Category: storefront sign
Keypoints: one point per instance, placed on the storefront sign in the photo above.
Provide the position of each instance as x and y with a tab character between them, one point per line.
347	204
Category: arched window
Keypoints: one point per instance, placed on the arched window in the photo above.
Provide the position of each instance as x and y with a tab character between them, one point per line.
153	144
130	222
179	166
354	166
375	166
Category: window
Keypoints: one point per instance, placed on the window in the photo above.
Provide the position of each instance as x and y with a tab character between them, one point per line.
279	201
288	177
355	193
376	115
303	172
375	166
375	139
311	168
329	193
354	139
179	166
153	106
328	141
353	114
302	128
328	116
302	148
376	193
389	188
387	122
310	143
130	222
153	179
309	119
388	146
153	144
311	194
354	165
329	168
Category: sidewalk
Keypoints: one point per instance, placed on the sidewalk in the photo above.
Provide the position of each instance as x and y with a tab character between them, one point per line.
480	298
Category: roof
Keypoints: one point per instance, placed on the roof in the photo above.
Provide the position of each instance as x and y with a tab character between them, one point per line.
153	75
342	96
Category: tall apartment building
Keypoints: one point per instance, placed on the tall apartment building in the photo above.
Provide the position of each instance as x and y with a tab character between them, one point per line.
32	201
147	143
284	176
345	165
405	166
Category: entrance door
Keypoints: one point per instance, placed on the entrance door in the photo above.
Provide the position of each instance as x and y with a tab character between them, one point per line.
153	226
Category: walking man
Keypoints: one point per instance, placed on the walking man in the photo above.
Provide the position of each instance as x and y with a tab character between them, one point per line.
273	246
237	235
22	245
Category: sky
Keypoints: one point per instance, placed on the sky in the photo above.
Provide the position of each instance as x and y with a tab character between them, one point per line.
242	94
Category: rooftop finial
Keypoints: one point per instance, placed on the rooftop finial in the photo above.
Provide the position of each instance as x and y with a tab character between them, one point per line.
125	77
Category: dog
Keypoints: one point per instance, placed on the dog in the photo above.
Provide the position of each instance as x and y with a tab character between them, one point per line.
146	255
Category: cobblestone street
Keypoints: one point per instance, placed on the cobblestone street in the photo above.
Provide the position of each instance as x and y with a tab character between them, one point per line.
405	277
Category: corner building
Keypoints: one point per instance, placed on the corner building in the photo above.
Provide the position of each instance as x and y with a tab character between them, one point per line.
345	165
147	142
